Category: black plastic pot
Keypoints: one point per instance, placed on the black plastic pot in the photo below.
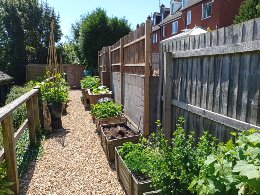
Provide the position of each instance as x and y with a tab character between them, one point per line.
55	109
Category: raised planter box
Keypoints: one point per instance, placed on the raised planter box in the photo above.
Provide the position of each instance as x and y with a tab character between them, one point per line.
110	120
130	183
110	144
93	99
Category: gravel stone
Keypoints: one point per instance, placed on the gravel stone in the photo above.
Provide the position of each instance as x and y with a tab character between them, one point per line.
73	161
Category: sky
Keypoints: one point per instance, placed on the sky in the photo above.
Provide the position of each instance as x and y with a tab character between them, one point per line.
135	11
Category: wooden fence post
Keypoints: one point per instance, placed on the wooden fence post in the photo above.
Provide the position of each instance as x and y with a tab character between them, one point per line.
167	94
110	67
31	125
10	153
36	113
148	30
122	70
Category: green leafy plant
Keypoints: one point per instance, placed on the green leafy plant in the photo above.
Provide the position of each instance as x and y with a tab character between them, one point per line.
173	166
233	169
100	90
106	109
4	184
55	91
90	82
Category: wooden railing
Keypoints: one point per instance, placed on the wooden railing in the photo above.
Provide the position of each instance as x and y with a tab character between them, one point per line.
10	137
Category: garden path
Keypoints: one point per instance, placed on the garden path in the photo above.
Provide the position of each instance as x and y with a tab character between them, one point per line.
73	161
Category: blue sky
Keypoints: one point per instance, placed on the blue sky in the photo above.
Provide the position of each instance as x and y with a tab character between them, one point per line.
135	11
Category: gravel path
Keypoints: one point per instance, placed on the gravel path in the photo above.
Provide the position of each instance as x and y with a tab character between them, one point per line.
74	161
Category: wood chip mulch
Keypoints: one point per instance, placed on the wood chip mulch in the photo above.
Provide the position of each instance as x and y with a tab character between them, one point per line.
73	161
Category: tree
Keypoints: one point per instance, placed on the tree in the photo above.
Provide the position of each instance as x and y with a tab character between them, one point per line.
24	35
95	31
249	9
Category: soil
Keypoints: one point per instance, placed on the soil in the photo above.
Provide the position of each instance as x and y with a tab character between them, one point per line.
117	131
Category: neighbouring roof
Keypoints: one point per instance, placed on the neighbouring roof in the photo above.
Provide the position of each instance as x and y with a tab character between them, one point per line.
171	17
155	28
187	32
191	3
4	77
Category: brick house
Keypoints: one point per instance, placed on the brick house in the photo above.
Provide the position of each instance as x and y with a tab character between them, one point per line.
187	14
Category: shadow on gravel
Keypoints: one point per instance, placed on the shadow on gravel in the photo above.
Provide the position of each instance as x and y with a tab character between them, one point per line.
59	135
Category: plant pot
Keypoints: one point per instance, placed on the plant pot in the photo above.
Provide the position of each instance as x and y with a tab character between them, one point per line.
131	185
55	109
110	120
64	109
85	96
110	144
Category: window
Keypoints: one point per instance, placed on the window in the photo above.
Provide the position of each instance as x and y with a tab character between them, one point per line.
188	18
184	3
206	10
155	38
164	31
175	27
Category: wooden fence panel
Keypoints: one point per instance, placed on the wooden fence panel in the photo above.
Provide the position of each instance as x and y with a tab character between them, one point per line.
215	81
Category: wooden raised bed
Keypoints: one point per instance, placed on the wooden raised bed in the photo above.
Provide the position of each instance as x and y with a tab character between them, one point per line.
110	120
130	183
93	99
109	145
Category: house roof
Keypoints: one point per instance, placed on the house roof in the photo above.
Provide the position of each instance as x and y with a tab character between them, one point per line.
4	77
191	3
171	17
155	28
187	32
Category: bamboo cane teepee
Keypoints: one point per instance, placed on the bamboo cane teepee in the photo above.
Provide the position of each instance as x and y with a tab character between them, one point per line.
53	67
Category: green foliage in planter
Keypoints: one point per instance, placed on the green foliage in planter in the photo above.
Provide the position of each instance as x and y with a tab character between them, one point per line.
100	90
4	184
106	109
174	166
55	91
136	157
233	169
90	82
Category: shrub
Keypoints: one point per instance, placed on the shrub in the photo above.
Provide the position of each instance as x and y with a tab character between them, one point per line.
106	109
4	184
90	82
100	90
233	169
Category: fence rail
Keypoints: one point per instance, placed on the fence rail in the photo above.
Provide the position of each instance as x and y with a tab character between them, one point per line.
10	137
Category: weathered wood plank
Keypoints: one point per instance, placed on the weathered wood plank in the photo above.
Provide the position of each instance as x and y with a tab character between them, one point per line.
198	81
219	118
233	85
253	90
193	81
9	108
243	87
188	78
10	153
224	84
31	126
220	50
217	70
168	74
210	84
204	82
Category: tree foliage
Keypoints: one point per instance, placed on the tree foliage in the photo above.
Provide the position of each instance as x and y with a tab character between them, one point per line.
94	31
24	34
249	9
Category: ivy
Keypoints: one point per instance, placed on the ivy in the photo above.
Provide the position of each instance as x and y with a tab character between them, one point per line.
4	184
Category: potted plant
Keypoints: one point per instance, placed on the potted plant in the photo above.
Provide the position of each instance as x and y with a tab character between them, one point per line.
107	112
55	94
98	93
